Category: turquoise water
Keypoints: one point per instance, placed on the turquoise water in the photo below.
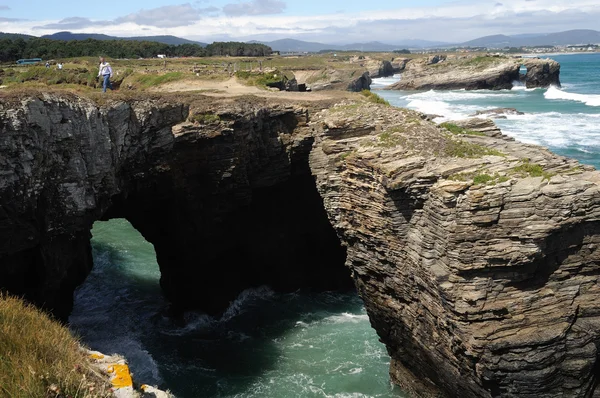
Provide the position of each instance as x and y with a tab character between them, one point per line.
265	345
566	120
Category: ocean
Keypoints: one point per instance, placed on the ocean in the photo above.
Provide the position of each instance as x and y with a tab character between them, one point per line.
270	345
565	120
265	345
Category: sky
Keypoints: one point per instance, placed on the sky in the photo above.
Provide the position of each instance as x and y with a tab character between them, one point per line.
326	21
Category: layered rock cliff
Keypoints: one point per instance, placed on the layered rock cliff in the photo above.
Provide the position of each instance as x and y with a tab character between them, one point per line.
441	72
477	257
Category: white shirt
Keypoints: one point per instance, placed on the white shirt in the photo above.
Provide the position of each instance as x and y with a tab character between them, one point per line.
105	69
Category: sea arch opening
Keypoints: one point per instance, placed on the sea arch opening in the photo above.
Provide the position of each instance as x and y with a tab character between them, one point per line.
269	329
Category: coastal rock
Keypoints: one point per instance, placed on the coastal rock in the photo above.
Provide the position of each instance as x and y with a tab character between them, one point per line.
498	113
362	83
385	69
477	257
121	379
476	73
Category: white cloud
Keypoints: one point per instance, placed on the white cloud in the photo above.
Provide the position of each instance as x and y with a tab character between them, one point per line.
460	21
254	7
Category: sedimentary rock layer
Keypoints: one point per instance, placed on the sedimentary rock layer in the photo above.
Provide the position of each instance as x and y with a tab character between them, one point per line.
477	72
477	256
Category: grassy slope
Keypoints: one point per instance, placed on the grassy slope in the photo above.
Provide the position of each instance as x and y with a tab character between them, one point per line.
40	358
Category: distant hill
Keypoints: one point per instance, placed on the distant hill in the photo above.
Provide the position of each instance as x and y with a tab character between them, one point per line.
570	37
293	45
170	40
14	36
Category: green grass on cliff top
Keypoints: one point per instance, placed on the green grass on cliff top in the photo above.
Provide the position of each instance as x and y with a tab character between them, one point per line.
40	358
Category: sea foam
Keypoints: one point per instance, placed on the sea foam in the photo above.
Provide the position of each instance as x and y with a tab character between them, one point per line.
555	93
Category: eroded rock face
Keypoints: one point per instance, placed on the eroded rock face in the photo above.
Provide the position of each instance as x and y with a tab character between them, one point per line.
476	73
479	268
187	186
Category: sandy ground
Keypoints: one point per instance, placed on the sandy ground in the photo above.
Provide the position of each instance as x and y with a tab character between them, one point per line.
232	88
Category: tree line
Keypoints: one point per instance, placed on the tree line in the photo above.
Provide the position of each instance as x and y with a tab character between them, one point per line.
12	49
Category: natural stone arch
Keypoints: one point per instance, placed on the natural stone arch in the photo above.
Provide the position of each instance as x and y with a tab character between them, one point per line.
195	189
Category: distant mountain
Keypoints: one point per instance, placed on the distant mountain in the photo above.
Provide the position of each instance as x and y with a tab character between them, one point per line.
14	36
171	40
570	37
293	45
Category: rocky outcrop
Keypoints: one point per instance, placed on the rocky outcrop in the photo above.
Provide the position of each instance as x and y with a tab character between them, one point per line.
477	256
476	73
498	113
385	69
184	173
361	83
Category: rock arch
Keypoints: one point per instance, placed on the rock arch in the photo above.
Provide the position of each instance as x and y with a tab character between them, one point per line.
227	200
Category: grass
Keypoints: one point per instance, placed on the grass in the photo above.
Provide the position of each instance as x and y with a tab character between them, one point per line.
52	76
372	97
152	80
463	149
260	79
40	358
455	129
482	61
527	169
204	118
480	178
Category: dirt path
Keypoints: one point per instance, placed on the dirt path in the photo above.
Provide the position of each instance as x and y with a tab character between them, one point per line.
233	88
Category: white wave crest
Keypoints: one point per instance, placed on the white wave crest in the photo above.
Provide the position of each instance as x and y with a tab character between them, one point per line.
238	305
555	93
385	81
439	108
346	317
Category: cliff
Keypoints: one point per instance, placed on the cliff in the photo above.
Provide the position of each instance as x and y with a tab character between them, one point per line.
476	256
441	72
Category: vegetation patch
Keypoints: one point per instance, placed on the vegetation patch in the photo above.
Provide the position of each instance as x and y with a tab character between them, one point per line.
40	358
372	97
152	80
480	178
527	169
205	118
482	61
261	79
455	129
463	149
343	156
390	139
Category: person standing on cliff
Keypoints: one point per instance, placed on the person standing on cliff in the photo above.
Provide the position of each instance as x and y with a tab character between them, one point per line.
106	72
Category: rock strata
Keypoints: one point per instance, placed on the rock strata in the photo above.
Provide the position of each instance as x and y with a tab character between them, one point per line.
476	73
477	256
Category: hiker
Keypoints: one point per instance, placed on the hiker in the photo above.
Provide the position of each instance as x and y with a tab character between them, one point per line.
59	66
106	72
47	64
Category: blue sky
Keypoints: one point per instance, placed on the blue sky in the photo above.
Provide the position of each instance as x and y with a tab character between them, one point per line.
315	20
